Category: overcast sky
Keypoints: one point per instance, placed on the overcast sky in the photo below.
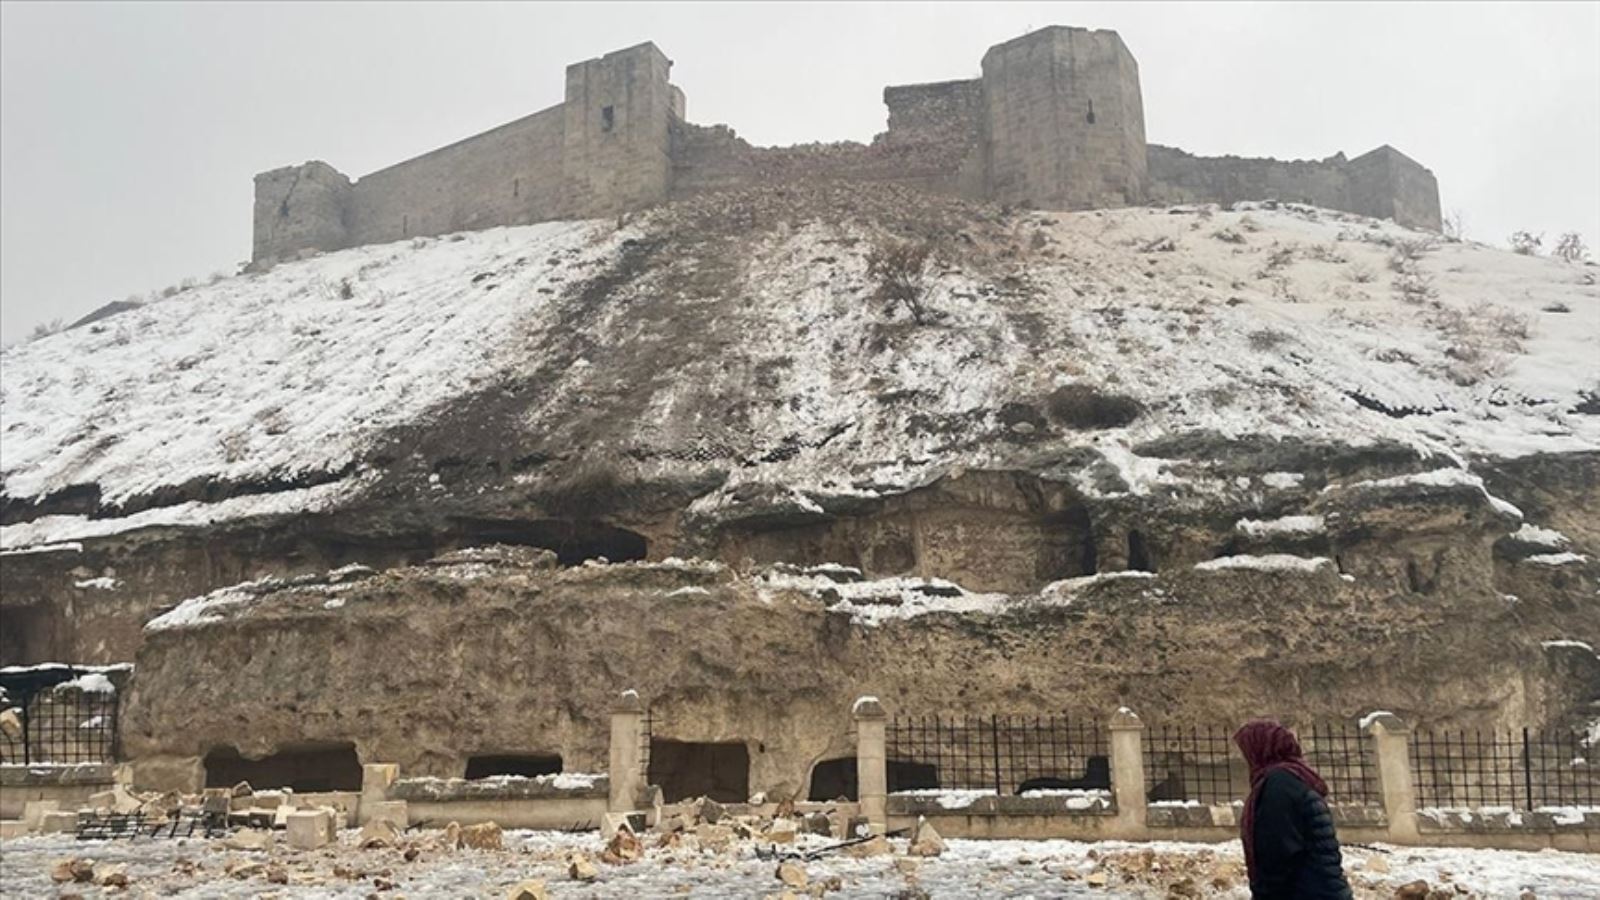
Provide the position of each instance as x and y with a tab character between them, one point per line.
129	132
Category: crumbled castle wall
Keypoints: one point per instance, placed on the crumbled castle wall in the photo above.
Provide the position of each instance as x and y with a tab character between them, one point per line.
1384	183
1056	122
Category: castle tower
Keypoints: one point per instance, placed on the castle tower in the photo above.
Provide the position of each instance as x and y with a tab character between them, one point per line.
615	149
1063	121
299	208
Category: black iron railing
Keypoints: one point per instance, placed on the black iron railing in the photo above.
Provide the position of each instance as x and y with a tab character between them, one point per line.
1523	769
1002	753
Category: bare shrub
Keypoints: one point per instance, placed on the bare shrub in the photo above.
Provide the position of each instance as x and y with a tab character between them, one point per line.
1360	273
1415	287
1328	253
1249	224
1266	339
1556	307
1479	340
901	270
1455	227
1083	406
1228	236
45	329
1404	253
1277	260
1570	248
1527	243
346	291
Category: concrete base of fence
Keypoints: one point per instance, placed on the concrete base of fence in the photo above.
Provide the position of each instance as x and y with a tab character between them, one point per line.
68	786
582	813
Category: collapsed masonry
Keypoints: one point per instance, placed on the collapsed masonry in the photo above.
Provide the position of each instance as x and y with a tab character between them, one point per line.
1055	122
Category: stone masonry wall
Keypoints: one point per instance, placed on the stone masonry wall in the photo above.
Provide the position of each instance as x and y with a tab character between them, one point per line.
1056	122
1383	183
508	176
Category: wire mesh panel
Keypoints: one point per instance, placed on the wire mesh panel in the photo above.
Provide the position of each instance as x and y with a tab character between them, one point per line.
1005	754
1519	769
62	727
1195	763
1343	755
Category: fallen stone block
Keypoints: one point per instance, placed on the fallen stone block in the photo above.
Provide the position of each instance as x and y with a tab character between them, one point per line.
112	876
249	839
33	812
75	869
310	829
624	847
58	822
382	833
485	836
580	868
791	873
533	889
925	841
873	846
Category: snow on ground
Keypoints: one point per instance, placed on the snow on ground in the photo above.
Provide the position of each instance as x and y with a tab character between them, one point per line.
1016	869
1287	322
279	374
1271	562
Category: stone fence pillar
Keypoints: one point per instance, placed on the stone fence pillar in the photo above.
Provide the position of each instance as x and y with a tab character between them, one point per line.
1127	771
1391	747
627	719
375	781
872	762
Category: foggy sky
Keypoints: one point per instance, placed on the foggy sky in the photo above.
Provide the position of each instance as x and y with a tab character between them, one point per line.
129	132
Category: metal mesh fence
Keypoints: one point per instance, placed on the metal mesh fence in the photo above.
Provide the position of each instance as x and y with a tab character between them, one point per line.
1518	769
1005	754
62	727
1202	764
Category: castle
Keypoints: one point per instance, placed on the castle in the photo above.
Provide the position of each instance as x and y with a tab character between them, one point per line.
1055	122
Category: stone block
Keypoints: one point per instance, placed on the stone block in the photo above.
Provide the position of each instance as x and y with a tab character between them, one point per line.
33	812
309	829
395	812
58	822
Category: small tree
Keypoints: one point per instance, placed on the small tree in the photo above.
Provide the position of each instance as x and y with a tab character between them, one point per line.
900	268
1527	243
1455	226
1570	248
45	329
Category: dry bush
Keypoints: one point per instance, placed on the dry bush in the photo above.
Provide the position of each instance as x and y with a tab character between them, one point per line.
45	329
1328	253
1570	248
1083	406
1404	253
1478	340
1415	287
1527	243
1266	339
1455	227
1360	273
901	270
1228	236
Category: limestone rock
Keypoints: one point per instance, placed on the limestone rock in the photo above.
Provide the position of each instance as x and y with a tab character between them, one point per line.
75	869
1378	865
817	823
382	833
58	822
111	876
779	832
451	836
714	837
309	829
925	841
624	847
1097	878
580	868
874	846
1412	890
532	889
791	873
485	836
709	811
249	839
242	789
11	723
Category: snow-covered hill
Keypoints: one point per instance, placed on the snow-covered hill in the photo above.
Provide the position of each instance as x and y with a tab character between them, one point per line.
725	334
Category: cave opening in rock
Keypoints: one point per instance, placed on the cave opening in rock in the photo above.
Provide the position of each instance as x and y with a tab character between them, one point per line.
1138	553
303	768
833	779
906	775
686	769
526	765
572	541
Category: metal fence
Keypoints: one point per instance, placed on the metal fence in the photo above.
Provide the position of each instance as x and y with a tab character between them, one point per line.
1521	769
1005	754
63	727
1202	764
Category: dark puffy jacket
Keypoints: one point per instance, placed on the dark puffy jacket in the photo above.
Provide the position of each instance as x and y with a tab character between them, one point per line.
1296	849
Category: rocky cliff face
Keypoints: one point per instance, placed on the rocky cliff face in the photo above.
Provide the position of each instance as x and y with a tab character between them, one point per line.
1340	447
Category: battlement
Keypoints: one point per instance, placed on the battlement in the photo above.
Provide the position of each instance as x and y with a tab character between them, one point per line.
1056	122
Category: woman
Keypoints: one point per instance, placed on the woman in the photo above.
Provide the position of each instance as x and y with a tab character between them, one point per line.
1290	848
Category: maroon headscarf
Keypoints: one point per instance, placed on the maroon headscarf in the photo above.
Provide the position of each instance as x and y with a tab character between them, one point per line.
1269	747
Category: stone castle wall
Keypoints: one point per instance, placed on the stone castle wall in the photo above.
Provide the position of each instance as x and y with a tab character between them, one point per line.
1055	122
1384	183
